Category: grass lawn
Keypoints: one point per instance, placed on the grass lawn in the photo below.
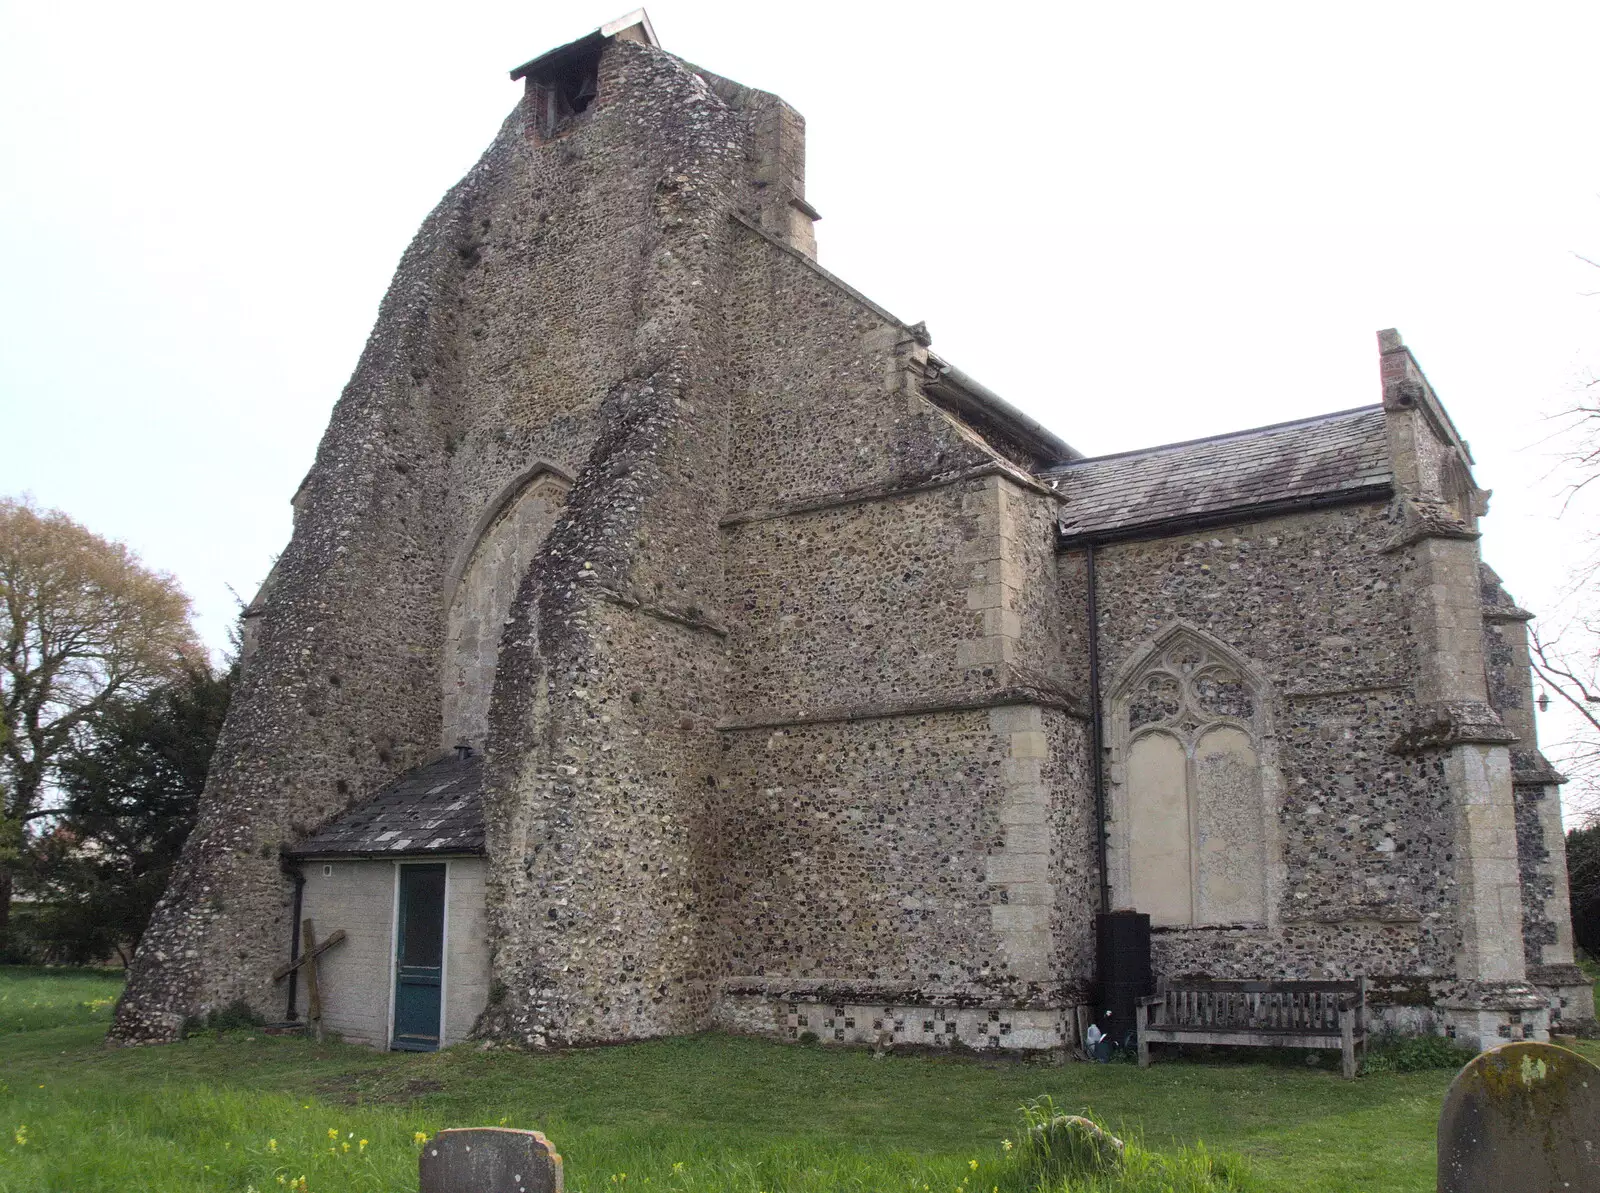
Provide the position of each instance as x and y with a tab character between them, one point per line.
242	1109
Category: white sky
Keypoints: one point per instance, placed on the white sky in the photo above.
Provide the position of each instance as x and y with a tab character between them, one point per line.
1140	222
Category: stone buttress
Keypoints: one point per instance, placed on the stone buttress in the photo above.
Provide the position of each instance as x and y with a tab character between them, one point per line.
541	330
1454	729
773	630
607	361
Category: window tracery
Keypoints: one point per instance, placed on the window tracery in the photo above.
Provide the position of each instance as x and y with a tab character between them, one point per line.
1193	831
1187	687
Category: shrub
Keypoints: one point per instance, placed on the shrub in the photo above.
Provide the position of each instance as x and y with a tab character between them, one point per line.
1395	1053
236	1016
20	944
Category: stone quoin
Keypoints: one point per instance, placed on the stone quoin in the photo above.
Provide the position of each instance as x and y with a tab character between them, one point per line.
669	639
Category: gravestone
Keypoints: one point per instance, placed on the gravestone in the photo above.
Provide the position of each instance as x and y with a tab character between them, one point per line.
489	1160
1521	1118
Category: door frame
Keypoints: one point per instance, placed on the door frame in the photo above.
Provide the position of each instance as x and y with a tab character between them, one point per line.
392	969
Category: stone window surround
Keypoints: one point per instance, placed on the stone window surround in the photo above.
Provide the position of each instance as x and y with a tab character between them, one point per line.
1140	664
463	713
558	477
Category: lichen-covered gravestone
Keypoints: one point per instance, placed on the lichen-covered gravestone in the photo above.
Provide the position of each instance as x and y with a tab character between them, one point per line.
1521	1118
489	1160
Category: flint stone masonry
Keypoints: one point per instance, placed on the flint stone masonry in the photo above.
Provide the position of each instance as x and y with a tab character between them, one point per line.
770	633
484	585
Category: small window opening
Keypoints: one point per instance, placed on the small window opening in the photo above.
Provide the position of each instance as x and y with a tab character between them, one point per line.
563	91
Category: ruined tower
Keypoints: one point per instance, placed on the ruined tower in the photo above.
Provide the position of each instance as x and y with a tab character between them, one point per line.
670	639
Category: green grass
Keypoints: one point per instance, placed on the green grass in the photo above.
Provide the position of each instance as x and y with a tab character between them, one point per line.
32	998
709	1113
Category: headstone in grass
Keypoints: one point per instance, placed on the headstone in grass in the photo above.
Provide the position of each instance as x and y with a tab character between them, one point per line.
1521	1118
1057	1146
489	1160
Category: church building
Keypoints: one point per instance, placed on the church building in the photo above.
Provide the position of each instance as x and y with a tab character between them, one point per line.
670	639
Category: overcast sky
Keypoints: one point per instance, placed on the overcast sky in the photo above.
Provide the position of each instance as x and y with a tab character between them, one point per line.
1139	222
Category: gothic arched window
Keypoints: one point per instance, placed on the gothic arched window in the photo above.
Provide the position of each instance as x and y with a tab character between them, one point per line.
1189	823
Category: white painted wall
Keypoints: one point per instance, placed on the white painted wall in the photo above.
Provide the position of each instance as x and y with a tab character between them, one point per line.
357	976
466	938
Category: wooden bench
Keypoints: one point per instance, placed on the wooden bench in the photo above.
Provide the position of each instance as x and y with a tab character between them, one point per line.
1257	1014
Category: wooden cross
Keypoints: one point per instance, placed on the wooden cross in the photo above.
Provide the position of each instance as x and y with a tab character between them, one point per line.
310	950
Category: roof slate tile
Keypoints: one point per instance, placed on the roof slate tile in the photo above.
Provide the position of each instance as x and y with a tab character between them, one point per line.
1310	460
440	804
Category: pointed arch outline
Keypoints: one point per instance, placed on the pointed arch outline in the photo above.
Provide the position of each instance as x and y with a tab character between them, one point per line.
490	514
508	533
1149	659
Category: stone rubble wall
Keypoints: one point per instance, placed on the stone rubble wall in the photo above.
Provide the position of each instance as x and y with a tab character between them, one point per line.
847	606
602	745
1318	607
513	317
906	871
1541	841
786	681
825	389
858	850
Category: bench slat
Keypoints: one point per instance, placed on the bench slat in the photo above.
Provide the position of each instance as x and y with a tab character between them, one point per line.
1198	985
1286	1014
1285	1038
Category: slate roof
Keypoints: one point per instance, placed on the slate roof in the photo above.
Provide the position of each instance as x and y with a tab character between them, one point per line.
436	808
1322	460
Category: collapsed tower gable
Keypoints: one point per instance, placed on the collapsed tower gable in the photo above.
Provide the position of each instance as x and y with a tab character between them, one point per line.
774	632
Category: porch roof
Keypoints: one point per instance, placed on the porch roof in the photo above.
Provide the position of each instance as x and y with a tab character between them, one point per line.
435	808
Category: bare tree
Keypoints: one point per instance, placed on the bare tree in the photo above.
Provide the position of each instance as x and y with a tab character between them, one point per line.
1567	660
82	623
1566	645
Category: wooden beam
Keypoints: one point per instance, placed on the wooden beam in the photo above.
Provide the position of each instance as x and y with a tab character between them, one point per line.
309	954
313	994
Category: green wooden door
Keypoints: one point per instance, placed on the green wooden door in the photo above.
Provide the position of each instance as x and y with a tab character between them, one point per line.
419	959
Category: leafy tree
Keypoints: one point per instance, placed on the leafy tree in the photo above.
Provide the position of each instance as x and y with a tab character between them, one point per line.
131	794
82	624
